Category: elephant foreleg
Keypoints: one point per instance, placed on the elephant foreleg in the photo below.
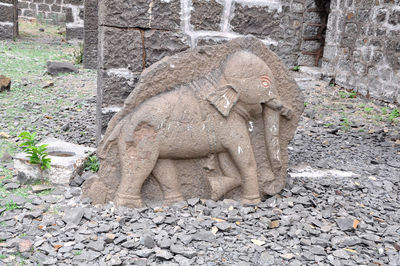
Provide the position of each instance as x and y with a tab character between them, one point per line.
242	154
165	173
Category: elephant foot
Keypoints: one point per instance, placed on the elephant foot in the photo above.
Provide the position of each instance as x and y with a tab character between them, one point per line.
173	199
128	201
250	200
220	185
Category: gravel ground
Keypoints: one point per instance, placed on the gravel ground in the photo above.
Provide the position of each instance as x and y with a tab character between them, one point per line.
340	206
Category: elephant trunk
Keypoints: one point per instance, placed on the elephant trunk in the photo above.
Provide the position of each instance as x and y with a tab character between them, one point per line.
271	126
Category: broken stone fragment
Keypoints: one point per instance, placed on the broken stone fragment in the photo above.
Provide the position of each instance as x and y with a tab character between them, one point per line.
5	83
55	68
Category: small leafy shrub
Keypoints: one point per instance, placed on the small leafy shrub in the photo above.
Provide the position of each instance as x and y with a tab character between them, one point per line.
37	154
78	55
350	94
92	164
368	109
296	68
11	205
345	121
395	113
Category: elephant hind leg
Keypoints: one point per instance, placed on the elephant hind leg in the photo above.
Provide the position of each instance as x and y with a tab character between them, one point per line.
165	173
220	185
138	156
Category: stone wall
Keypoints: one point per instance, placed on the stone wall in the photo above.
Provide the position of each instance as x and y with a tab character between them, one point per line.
363	47
8	19
91	34
74	11
135	34
51	11
69	12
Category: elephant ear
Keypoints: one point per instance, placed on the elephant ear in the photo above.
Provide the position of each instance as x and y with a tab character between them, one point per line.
224	99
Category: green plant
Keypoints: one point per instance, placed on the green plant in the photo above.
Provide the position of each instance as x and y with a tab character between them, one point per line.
78	252
45	192
296	68
395	113
305	104
37	154
11	205
78	55
92	164
2	256
368	110
350	94
345	121
384	110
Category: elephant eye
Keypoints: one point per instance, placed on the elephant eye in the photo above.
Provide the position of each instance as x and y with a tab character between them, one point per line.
265	81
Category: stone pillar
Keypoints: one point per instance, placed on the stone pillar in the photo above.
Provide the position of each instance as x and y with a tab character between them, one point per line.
74	11
8	19
91	32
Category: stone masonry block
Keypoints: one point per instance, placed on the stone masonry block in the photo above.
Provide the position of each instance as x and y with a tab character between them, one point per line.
121	49
74	2
313	17
6	13
74	33
159	44
91	8
258	21
55	8
68	14
394	18
28	13
23	5
44	7
6	32
91	37
157	14
91	23
206	15
90	56
117	87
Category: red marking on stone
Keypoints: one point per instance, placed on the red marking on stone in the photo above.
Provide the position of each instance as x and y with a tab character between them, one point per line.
265	81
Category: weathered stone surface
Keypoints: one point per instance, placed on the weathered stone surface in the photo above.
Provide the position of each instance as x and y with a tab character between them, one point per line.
117	86
91	34
258	21
360	49
196	181
65	159
6	32
55	68
74	33
121	49
158	14
159	44
6	13
206	15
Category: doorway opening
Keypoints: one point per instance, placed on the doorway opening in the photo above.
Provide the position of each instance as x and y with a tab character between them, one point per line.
315	19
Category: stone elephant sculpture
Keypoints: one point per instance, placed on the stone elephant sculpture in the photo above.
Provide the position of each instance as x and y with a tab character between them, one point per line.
205	117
